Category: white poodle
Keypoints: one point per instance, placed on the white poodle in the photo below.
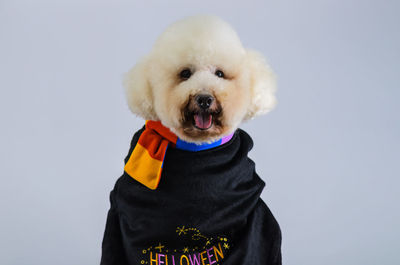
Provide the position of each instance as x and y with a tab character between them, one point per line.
200	59
189	194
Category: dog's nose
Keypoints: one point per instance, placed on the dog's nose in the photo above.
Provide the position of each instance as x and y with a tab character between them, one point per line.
204	101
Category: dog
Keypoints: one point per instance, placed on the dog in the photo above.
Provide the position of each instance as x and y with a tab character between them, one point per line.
189	193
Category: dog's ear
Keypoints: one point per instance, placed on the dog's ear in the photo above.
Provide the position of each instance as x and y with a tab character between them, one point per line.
262	85
138	90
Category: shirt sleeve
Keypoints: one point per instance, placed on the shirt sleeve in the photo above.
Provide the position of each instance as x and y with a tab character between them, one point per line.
275	255
112	246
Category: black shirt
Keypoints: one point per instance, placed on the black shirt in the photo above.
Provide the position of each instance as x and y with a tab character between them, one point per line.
206	210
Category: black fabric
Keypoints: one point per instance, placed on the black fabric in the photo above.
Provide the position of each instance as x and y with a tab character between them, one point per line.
206	210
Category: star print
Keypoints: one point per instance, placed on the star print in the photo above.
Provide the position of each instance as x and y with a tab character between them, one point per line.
208	242
226	246
160	247
186	249
181	230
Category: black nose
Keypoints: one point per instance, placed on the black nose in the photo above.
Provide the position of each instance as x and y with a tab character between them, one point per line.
204	101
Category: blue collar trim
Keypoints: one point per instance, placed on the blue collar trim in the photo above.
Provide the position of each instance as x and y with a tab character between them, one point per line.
180	144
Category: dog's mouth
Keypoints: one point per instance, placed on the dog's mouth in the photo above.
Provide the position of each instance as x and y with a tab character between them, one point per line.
198	121
203	120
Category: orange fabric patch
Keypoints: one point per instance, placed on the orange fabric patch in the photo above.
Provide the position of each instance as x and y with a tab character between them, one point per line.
146	160
142	167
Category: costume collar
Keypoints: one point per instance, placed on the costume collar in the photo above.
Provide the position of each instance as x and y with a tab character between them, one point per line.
146	160
182	144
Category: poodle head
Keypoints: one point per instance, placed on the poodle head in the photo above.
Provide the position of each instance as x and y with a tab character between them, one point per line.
199	81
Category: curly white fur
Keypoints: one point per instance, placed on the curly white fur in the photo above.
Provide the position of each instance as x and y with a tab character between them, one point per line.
205	43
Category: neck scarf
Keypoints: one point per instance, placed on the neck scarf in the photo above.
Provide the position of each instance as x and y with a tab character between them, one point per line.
146	161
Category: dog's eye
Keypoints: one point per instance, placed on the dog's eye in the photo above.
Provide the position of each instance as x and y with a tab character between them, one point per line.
219	73
185	74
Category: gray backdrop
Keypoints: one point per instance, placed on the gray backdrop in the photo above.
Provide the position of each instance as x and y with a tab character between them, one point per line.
329	153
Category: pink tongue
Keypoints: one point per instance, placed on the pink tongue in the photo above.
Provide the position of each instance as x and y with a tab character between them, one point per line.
203	121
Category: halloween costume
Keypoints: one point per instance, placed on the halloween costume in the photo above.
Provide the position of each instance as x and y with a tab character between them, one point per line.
192	207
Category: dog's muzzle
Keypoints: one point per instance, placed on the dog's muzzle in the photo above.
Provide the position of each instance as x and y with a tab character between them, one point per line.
203	119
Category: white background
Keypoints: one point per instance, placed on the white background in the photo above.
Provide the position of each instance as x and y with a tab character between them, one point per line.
329	153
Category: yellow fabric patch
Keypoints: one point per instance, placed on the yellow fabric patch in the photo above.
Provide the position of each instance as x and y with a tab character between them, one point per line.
143	168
